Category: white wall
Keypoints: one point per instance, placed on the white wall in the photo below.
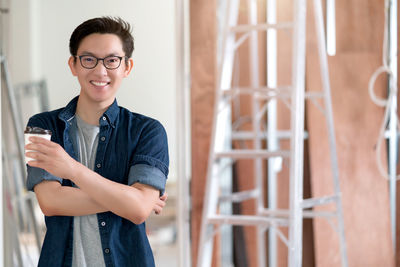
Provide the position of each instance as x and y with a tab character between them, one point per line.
43	33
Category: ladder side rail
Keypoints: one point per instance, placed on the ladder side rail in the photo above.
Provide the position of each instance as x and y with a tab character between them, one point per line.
297	139
17	124
13	221
15	189
258	168
225	133
18	174
225	66
204	255
44	96
319	23
205	248
225	142
224	70
272	135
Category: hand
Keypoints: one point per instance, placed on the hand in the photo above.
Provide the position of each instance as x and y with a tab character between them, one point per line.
160	203
51	157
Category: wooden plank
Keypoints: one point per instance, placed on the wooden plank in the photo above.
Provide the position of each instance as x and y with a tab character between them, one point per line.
357	120
203	70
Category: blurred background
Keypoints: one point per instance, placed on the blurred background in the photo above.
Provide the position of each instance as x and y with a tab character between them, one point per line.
181	58
35	37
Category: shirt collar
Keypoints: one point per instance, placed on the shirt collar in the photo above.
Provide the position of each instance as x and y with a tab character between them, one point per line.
110	114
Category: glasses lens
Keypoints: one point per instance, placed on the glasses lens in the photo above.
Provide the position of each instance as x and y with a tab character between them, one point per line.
112	62
88	61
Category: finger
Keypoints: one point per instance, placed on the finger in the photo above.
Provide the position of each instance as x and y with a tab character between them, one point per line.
157	210
164	197
160	204
43	148
40	140
34	163
36	155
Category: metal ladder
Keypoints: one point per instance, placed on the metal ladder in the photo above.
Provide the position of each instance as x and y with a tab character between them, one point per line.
14	174
222	154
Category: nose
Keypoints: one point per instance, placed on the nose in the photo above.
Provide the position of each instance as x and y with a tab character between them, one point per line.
100	68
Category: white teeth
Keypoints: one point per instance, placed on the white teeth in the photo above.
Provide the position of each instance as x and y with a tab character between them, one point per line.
99	83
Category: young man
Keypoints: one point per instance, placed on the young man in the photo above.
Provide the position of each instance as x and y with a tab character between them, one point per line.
105	167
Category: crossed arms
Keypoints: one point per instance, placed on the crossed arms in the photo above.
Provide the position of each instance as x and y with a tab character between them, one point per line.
95	193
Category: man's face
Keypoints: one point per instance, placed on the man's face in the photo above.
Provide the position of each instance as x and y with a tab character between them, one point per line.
99	84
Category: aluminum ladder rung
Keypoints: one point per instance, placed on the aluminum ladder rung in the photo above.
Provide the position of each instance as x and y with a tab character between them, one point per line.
306	214
285	95
272	91
311	202
251	153
240	196
262	27
314	94
251	220
247	135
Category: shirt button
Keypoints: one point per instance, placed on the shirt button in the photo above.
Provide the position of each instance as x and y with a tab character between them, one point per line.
103	223
104	118
107	250
103	138
98	165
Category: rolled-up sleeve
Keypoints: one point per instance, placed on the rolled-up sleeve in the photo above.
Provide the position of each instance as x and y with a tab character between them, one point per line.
37	175
150	160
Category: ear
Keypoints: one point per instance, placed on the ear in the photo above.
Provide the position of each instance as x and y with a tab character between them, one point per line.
128	68
72	65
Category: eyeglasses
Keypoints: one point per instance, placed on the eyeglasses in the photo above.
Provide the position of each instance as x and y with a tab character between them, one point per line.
110	62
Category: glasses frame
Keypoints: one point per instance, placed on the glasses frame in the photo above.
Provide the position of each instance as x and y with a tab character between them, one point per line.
102	59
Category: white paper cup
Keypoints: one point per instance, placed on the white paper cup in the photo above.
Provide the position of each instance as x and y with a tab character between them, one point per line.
27	141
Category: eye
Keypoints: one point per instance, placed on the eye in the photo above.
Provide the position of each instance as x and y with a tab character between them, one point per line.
88	59
112	60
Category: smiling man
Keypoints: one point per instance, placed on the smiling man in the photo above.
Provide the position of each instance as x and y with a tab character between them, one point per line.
105	168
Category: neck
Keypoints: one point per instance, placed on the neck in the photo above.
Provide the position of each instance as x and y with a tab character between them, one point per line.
91	112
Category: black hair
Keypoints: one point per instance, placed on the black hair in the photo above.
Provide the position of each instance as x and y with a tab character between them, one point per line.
113	25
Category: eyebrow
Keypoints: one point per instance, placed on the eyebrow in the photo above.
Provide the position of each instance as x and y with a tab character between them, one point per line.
87	53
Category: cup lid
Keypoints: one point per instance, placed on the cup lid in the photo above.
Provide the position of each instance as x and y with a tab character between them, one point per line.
36	130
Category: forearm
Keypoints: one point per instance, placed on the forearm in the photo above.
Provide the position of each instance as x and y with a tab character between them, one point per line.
134	203
129	202
57	200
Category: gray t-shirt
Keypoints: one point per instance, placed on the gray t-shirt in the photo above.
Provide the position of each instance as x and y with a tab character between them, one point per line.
87	250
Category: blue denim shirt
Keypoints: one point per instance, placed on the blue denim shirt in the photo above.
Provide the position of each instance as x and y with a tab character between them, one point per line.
132	148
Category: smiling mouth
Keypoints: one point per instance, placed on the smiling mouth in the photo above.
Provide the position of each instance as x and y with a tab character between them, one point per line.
99	83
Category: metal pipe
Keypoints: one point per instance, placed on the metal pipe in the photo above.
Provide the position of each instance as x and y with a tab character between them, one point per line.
297	139
183	111
330	27
392	127
272	135
329	120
